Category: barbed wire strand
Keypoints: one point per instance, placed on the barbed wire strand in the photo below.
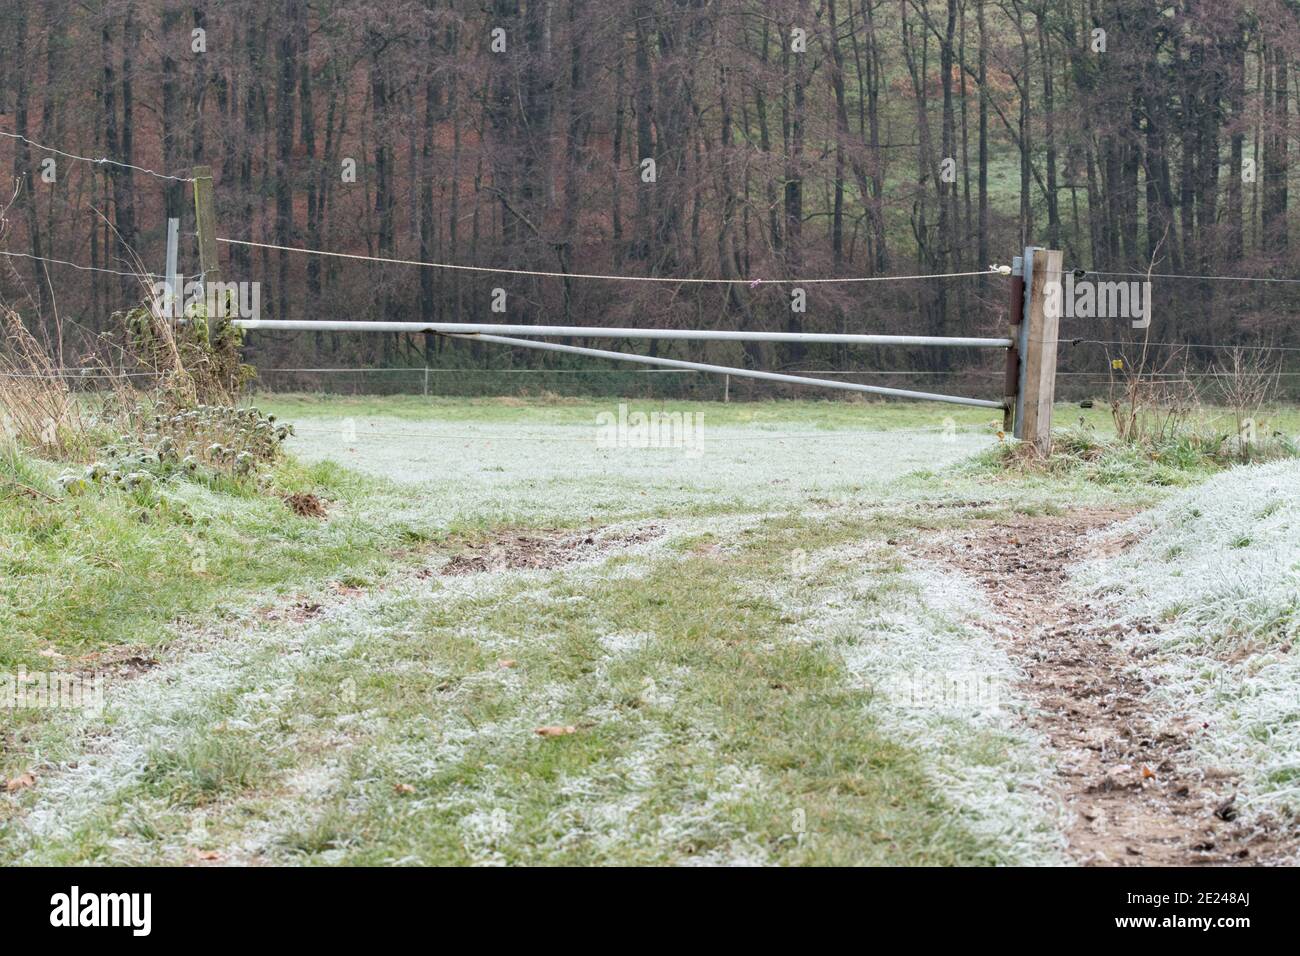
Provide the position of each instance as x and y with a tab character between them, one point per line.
601	276
101	161
81	268
1167	275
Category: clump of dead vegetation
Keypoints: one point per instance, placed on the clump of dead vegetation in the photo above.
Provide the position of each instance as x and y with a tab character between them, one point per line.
1247	382
166	407
37	406
1166	430
305	504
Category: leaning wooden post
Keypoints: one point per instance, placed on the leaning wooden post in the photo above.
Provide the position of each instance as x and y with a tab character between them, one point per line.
1039	331
205	220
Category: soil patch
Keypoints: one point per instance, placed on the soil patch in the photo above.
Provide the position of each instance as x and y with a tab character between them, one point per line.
540	550
1136	793
305	504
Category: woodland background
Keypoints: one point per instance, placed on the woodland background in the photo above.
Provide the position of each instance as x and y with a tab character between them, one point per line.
771	164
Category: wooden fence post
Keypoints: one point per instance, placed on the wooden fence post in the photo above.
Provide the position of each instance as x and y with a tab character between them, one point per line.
205	220
1015	315
1039	331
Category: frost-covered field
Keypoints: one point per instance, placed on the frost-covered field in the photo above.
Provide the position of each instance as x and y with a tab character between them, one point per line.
753	673
732	681
529	472
1219	567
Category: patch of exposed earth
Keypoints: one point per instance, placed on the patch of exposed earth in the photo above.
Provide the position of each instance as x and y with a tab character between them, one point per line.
542	550
1127	774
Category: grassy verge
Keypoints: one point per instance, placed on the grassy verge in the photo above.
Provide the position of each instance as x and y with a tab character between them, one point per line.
80	572
89	579
703	718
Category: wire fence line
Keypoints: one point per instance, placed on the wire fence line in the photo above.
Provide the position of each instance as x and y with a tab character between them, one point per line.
100	161
1186	345
991	270
346	436
83	268
677	280
674	280
417	370
1167	275
77	374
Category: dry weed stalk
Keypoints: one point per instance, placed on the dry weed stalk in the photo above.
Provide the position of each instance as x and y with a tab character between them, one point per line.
149	365
1246	382
1150	399
37	407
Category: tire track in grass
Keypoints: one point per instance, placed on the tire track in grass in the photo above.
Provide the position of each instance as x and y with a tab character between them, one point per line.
703	735
719	739
1127	770
180	742
939	685
1208	599
571	815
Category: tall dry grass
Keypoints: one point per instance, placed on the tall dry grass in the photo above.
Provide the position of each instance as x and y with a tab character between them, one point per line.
37	407
149	365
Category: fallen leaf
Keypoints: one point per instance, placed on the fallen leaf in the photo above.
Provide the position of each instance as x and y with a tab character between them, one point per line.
1147	773
20	782
404	788
555	731
506	662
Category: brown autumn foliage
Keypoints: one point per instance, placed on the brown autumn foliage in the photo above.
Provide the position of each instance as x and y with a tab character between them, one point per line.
789	140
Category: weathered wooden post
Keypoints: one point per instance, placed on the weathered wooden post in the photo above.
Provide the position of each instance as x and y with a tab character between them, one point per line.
205	220
1015	315
222	335
1039	331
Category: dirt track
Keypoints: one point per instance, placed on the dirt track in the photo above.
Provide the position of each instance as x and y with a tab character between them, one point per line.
1126	775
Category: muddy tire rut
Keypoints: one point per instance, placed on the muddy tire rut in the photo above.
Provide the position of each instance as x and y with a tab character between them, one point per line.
544	550
1135	793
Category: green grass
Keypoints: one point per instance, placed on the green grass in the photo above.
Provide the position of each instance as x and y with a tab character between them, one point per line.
724	725
752	700
715	736
110	566
793	413
1085	452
